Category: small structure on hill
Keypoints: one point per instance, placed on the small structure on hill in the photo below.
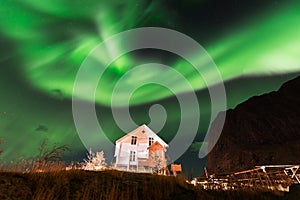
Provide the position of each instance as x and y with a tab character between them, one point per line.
141	150
176	169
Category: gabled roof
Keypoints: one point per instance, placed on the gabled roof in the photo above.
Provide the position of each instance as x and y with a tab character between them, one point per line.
155	146
143	131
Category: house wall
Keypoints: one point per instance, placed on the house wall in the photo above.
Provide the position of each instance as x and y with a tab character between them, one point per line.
124	153
144	157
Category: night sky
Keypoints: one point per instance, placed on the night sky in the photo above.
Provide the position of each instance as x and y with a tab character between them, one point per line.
255	45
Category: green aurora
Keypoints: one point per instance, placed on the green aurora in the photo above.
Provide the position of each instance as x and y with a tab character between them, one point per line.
43	44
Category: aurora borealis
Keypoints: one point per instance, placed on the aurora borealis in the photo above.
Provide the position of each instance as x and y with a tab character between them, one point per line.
255	46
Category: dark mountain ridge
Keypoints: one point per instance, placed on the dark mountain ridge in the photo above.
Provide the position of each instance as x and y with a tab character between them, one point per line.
263	130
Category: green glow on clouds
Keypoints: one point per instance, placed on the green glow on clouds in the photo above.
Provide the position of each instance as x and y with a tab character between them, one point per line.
53	38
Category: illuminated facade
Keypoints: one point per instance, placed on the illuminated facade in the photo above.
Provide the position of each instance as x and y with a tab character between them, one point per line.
141	150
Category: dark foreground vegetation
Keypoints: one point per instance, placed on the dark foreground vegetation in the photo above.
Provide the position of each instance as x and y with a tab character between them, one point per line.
110	184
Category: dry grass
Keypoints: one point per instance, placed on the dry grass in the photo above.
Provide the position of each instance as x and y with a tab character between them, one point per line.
110	184
26	166
78	184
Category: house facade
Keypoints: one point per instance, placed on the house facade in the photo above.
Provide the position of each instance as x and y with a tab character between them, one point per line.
141	150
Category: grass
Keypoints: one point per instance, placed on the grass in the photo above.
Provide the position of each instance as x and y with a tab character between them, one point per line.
109	184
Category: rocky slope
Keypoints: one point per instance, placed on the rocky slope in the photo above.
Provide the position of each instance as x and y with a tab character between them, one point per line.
263	130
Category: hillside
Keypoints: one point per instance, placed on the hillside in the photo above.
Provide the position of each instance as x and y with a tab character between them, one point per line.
263	130
77	184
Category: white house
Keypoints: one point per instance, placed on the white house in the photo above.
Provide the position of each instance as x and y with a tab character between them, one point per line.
140	150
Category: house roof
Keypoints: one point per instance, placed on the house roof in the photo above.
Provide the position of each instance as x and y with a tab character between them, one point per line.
143	131
155	146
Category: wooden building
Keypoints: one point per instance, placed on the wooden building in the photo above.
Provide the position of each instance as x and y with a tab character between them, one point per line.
141	150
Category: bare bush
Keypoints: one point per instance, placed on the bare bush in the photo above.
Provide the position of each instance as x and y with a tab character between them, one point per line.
95	161
49	156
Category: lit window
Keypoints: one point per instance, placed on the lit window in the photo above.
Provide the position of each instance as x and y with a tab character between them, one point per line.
133	140
132	156
151	140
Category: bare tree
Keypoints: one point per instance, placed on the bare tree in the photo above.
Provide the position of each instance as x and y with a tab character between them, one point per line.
95	161
52	153
157	161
